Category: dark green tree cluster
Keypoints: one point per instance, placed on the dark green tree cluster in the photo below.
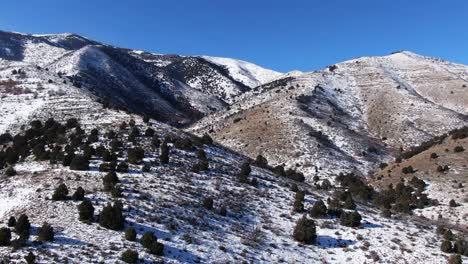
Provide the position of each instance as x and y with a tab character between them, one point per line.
202	164
305	231
112	217
351	219
150	242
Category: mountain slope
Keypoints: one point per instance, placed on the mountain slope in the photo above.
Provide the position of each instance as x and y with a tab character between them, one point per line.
350	116
161	86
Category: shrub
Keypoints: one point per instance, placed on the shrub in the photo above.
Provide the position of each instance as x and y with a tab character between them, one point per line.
206	139
146	168
11	221
244	173
79	194
441	168
60	193
111	217
129	256
261	162
5	236
223	211
148	239
446	246
30	258
448	235
10	171
201	165
86	211
408	169
298	205
455	259
351	219
79	163
135	155
434	155
130	234
109	181
305	231
319	209
458	149
349	202
122	167
46	232
23	227
149	132
116	191
452	203
164	155
156	248
208	203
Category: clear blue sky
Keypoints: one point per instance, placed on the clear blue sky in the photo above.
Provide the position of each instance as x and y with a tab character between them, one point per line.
282	35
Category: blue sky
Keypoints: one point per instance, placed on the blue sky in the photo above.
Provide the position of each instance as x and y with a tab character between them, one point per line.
282	35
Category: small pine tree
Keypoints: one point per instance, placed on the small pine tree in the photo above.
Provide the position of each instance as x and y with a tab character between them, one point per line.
146	168
79	194
5	236
11	221
455	259
30	258
319	209
244	173
80	163
208	203
60	193
452	203
23	227
86	211
10	171
109	181
130	234
305	231
148	239
130	256
349	202
351	219
46	232
164	156
122	167
298	205
111	217
156	248
446	246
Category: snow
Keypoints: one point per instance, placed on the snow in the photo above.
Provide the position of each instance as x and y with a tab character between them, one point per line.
245	72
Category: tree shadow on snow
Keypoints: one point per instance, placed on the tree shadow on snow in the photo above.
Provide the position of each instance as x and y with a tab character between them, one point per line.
371	225
141	229
331	242
182	256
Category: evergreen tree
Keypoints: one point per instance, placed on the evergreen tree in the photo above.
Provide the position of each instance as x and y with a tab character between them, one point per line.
147	239
130	234
23	227
109	181
10	171
446	246
298	205
60	193
5	236
351	219
135	155
122	167
86	211
80	163
349	202
130	256
111	217
305	231
11	221
208	203
244	172
30	258
79	194
319	209
164	156
46	232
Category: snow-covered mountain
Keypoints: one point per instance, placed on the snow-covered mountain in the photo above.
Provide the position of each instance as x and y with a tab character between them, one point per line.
349	116
174	89
204	205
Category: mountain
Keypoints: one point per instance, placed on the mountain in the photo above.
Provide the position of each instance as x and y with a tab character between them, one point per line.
348	117
174	89
78	113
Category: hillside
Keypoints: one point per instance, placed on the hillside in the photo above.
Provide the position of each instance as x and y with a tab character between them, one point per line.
349	116
174	89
